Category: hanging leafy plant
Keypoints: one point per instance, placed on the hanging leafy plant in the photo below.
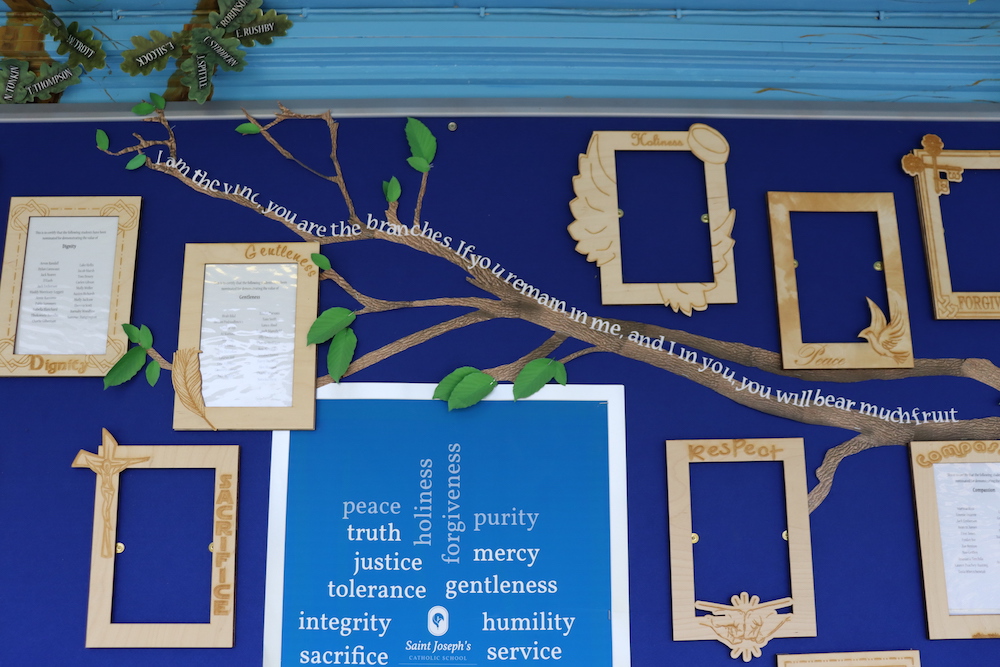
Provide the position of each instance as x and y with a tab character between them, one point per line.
152	53
15	77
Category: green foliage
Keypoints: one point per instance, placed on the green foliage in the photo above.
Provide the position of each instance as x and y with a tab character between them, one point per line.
152	372
444	388
391	190
81	46
197	77
328	324
158	101
10	67
152	53
52	79
341	353
535	374
232	59
321	261
422	142
143	108
247	13
126	368
145	337
137	161
132	332
471	389
102	140
277	25
419	164
248	128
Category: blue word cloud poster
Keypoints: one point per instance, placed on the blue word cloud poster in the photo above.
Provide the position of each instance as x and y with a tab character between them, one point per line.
404	534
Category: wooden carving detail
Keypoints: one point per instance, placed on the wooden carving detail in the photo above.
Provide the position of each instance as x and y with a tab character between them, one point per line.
934	169
186	376
886	337
745	625
597	230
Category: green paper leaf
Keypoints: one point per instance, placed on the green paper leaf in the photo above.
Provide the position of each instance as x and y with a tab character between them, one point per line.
136	161
15	78
422	142
248	128
263	29
234	13
152	53
145	337
81	46
132	332
328	323
444	388
535	374
102	140
52	79
341	353
218	49
391	190
198	73
560	374
419	164
152	372
143	108
321	261
473	388
157	101
126	368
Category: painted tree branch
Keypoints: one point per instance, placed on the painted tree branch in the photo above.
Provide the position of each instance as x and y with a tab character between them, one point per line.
508	372
509	302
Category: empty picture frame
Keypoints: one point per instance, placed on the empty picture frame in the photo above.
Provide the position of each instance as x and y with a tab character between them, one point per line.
801	622
598	233
110	460
957	489
243	362
907	658
887	342
66	287
933	170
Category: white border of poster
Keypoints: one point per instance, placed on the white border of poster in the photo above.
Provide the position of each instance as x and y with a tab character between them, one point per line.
614	395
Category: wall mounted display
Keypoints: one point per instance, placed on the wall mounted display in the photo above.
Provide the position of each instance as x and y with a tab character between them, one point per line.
854	659
957	488
108	463
399	534
934	169
67	284
746	624
596	226
887	339
247	308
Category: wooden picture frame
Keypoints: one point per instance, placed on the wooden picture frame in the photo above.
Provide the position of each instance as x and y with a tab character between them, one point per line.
681	454
65	262
597	230
267	398
908	658
110	460
928	460
933	170
887	341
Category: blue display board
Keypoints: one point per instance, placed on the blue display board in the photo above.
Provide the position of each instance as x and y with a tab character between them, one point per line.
411	535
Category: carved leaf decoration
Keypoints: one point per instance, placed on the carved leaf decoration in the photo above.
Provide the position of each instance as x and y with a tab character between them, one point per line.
52	79
24	77
186	376
218	49
198	73
82	48
235	13
263	29
151	53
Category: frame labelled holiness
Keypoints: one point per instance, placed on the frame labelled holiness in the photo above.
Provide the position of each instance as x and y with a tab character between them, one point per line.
934	170
887	342
108	463
597	228
746	623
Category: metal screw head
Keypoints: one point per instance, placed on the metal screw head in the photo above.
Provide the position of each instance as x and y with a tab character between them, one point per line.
694	538
452	126
795	263
704	217
784	535
211	547
621	213
119	547
878	265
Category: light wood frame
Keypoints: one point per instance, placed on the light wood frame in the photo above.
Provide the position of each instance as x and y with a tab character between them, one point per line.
301	414
22	209
933	170
923	457
908	658
791	452
110	460
888	343
597	230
